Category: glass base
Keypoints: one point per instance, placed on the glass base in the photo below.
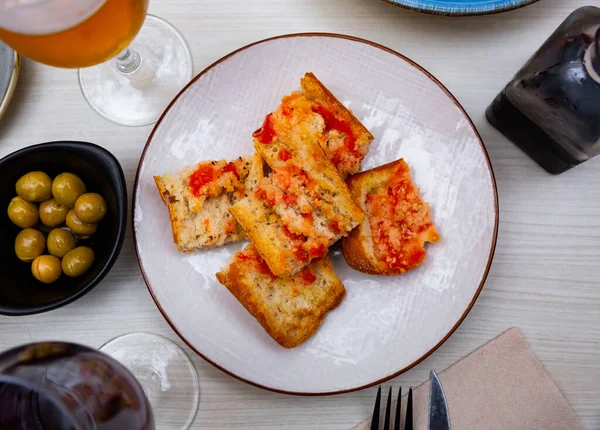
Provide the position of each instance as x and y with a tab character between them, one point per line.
140	97
164	371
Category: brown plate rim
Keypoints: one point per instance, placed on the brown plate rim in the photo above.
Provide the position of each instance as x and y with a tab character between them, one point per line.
492	248
461	14
5	101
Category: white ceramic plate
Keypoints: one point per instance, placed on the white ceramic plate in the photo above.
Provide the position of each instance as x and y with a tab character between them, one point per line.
386	324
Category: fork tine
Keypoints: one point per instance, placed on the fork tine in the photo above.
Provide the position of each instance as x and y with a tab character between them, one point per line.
408	421
398	409
375	419
388	410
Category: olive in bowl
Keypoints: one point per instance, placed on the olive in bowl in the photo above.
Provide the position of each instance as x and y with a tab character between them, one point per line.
22	213
67	187
53	213
77	261
90	208
46	269
20	292
60	241
79	227
34	186
29	244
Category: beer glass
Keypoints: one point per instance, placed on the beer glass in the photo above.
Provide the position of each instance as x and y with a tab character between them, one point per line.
131	64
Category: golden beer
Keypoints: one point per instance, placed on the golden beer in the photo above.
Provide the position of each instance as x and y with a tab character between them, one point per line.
79	43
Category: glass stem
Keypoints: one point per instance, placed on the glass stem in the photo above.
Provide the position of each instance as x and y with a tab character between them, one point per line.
129	61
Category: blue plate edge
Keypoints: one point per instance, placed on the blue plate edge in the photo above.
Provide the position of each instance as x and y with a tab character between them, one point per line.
426	6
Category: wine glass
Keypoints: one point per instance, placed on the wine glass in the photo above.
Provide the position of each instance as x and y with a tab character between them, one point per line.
129	83
165	372
57	385
137	381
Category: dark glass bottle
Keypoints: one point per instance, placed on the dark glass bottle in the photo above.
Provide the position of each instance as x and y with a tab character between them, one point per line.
64	386
551	108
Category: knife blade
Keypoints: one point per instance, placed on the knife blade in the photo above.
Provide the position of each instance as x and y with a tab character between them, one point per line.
438	408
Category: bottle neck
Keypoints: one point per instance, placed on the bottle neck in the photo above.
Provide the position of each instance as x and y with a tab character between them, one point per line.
592	58
596	52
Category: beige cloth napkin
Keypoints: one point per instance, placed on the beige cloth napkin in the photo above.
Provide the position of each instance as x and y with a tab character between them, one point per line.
502	385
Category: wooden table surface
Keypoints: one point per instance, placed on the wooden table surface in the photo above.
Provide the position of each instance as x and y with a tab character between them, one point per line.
545	273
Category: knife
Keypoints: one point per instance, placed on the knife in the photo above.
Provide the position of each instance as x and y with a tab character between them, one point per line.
438	409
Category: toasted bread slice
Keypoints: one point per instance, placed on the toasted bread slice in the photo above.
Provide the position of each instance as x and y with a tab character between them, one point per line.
392	239
290	309
302	207
346	141
199	198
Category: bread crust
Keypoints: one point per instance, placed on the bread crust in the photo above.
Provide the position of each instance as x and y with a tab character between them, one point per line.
357	256
357	248
173	218
300	310
161	188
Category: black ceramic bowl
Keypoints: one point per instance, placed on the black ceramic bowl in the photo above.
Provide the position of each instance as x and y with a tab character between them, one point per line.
20	292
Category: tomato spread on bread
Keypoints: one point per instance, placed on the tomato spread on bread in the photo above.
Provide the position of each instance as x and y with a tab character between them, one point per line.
397	218
211	178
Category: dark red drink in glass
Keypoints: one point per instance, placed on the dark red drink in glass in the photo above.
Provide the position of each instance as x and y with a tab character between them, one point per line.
65	386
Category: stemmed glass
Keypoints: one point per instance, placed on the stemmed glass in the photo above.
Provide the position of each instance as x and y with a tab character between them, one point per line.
129	83
138	381
165	372
56	385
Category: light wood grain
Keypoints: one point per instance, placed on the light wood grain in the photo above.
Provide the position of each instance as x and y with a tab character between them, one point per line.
545	274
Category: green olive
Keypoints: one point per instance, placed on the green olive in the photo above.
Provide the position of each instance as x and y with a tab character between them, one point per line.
77	261
66	189
46	269
34	187
90	207
79	227
29	244
22	213
60	242
52	213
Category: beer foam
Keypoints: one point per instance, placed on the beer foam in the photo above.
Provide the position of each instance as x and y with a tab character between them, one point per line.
37	17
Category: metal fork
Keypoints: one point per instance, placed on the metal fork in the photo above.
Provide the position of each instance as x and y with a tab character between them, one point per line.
408	421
